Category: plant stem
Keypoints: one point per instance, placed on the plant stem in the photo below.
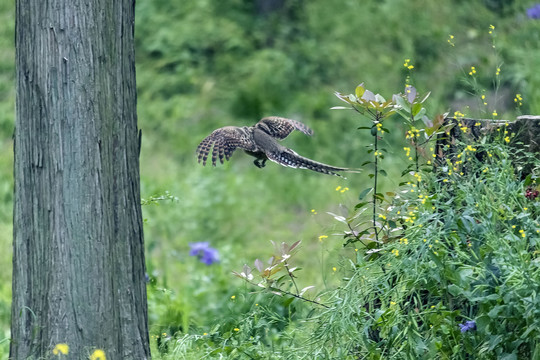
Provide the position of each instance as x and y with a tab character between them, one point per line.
376	163
291	276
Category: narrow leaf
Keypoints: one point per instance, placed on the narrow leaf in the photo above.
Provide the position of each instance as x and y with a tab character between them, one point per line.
364	193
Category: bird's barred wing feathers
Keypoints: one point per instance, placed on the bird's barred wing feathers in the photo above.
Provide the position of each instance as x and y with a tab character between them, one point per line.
222	142
280	127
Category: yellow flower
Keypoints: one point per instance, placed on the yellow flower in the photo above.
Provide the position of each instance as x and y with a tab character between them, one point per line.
494	113
236	329
233	297
507	139
498	71
313	212
204	334
322	237
334	269
338	188
473	71
518	99
451	40
98	354
345	188
61	349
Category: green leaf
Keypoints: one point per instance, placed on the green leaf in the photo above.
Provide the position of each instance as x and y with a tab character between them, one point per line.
364	128
364	193
425	97
361	204
360	90
421	113
383	173
416	109
399	101
454	290
374	131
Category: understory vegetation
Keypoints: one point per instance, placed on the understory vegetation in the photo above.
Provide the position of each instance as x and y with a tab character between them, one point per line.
432	252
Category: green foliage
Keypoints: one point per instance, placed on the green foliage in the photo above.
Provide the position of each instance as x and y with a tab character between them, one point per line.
468	249
205	64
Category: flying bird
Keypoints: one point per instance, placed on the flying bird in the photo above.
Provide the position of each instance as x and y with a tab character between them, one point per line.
260	141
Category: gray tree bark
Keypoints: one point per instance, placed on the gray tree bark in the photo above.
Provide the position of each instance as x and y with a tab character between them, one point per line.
78	259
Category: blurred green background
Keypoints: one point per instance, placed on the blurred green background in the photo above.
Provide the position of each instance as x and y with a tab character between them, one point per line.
203	64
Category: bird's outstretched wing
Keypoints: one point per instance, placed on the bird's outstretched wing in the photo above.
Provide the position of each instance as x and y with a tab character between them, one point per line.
280	128
223	141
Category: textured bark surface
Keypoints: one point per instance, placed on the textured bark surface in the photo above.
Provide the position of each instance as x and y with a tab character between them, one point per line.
78	267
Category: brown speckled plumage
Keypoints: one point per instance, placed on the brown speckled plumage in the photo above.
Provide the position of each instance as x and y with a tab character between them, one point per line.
260	141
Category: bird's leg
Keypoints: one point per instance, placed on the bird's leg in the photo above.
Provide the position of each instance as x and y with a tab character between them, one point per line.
260	163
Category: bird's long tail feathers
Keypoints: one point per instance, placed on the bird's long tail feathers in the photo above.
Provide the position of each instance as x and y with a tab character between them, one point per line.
292	159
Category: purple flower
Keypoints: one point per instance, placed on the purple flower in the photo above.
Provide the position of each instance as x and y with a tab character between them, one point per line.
469	325
204	252
534	12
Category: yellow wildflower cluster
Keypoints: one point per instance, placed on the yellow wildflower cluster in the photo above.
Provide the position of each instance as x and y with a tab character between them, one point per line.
418	177
322	237
395	252
342	190
498	72
313	212
61	349
407	64
458	114
404	241
411	218
98	354
494	113
470	148
413	133
451	40
377	153
491	28
518	100
522	232
473	71
382	216
408	152
379	128
484	99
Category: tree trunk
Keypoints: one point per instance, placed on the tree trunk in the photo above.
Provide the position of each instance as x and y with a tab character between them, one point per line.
78	259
